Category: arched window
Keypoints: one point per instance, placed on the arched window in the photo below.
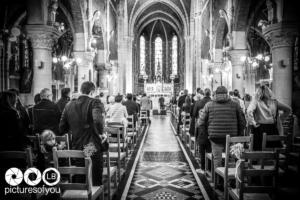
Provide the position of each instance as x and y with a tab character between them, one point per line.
158	56
142	55
174	55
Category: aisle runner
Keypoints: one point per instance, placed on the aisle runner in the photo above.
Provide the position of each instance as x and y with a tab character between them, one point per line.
163	172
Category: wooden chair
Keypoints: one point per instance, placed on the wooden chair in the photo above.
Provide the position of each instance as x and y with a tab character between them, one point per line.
228	171
77	190
63	139
246	190
209	165
118	156
131	131
294	155
193	145
113	137
7	156
186	121
285	141
20	159
144	117
109	173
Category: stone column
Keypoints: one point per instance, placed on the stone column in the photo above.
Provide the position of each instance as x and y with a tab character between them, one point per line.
237	69
188	83
128	71
281	37
218	56
42	38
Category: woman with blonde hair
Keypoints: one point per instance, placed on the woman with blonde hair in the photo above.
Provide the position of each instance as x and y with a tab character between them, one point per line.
263	114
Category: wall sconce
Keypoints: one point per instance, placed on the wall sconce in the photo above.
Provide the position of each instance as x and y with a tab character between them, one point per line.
83	78
284	63
41	66
237	76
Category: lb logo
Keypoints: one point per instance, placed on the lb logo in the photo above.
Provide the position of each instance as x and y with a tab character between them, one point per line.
51	176
13	176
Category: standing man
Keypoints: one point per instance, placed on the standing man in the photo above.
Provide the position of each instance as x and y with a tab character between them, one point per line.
64	99
45	114
201	132
132	107
161	101
221	117
180	103
83	118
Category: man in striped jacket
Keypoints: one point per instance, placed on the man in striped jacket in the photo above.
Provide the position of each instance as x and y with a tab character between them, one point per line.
222	117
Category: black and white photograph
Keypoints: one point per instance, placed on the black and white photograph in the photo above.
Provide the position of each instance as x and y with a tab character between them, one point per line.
149	100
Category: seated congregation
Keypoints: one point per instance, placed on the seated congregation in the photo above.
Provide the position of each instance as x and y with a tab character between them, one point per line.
236	146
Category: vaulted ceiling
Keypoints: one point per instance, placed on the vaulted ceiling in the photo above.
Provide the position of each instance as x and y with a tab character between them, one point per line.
176	13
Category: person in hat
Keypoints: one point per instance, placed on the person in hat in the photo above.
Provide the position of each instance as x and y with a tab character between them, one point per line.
221	117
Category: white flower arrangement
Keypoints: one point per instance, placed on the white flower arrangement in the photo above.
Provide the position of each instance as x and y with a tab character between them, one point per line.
89	149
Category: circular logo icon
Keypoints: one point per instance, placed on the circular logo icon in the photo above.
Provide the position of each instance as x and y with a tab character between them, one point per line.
51	176
32	176
13	176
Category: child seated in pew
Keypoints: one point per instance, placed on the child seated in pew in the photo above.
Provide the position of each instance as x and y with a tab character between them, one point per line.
48	142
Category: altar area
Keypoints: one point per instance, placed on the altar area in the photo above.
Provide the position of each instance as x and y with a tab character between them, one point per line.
158	89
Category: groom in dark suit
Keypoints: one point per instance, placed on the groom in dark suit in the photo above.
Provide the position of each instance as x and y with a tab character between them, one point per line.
83	119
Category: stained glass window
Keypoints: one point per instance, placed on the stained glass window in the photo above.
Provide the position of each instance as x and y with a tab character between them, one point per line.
174	54
158	56
142	55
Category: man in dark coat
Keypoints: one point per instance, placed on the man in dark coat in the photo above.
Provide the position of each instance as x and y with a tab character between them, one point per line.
83	118
65	98
201	134
181	99
45	114
131	106
221	117
161	102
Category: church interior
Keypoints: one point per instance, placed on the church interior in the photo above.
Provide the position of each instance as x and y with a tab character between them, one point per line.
162	56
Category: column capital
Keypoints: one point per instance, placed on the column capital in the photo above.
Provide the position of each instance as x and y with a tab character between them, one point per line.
236	54
281	34
41	36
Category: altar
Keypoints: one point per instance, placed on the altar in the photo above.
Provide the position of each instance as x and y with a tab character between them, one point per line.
155	88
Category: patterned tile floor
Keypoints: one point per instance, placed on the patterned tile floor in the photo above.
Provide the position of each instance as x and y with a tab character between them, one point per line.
163	172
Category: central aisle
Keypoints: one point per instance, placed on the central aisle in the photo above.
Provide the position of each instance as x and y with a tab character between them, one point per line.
162	171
